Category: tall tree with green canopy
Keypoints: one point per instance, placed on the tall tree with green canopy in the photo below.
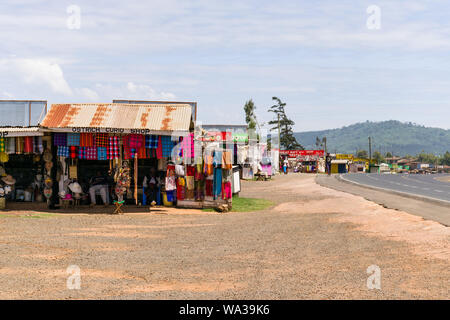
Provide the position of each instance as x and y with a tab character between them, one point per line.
287	139
250	117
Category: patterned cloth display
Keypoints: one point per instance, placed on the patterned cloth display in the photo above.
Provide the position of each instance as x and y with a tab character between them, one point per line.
63	151
101	140
167	146
101	153
187	146
38	146
73	139
60	139
113	147
135	141
151	141
73	152
86	140
2	145
82	153
91	153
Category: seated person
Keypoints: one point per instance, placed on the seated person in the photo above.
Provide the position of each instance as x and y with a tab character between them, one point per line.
151	183
100	183
261	172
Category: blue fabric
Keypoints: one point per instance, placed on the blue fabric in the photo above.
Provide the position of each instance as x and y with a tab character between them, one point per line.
217	184
101	153
151	141
217	158
167	146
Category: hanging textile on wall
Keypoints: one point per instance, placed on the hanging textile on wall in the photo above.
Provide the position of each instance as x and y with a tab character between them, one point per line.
91	153
38	145
63	151
167	146
73	139
28	146
151	141
102	153
10	145
113	147
60	139
2	144
19	145
101	140
86	140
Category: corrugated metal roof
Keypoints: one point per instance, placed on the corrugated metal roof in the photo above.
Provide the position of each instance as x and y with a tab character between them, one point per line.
118	115
20	131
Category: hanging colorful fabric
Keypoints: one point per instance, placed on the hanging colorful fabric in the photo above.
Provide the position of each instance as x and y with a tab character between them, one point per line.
102	153
63	151
142	153
60	139
2	144
226	190
86	140
10	145
38	145
159	149
73	139
151	141
91	153
19	145
82	153
226	160
73	152
113	147
101	140
167	146
217	188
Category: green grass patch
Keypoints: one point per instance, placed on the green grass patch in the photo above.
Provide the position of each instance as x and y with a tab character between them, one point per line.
247	205
29	216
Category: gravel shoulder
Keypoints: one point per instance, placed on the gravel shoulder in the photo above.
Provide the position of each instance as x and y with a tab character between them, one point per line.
314	243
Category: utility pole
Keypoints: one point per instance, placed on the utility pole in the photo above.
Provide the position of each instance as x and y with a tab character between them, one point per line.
370	152
279	134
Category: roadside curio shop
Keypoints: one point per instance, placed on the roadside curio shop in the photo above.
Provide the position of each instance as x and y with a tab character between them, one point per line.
93	154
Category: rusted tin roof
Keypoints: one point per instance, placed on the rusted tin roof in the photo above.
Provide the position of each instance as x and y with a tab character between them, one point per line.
117	115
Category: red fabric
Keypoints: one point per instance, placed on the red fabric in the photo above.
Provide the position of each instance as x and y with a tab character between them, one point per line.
86	140
73	152
28	145
159	149
209	188
226	190
190	171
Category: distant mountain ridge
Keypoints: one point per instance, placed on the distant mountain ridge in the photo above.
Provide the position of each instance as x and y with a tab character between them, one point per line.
392	136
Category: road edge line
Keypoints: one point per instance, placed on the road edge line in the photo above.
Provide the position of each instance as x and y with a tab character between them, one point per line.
400	193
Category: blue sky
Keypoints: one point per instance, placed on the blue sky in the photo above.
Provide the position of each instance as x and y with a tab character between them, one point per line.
317	56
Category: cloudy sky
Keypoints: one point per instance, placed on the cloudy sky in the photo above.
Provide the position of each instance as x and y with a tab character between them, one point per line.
320	57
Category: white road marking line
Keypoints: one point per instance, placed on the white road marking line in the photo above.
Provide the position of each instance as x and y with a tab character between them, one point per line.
438	190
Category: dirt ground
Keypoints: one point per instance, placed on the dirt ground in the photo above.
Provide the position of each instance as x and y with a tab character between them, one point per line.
315	243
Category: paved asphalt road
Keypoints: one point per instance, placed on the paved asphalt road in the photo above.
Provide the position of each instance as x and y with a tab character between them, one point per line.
416	184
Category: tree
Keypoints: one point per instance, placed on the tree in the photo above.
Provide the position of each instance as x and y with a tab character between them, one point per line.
446	159
321	143
388	155
378	157
287	139
250	117
362	154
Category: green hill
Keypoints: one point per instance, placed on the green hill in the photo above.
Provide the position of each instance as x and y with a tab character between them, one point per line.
387	136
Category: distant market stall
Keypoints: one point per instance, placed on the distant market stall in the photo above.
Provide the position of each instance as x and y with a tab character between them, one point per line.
306	161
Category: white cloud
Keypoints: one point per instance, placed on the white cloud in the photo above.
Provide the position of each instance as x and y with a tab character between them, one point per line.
88	94
36	72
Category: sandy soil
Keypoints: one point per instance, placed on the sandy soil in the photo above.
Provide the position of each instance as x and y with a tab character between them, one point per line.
313	243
